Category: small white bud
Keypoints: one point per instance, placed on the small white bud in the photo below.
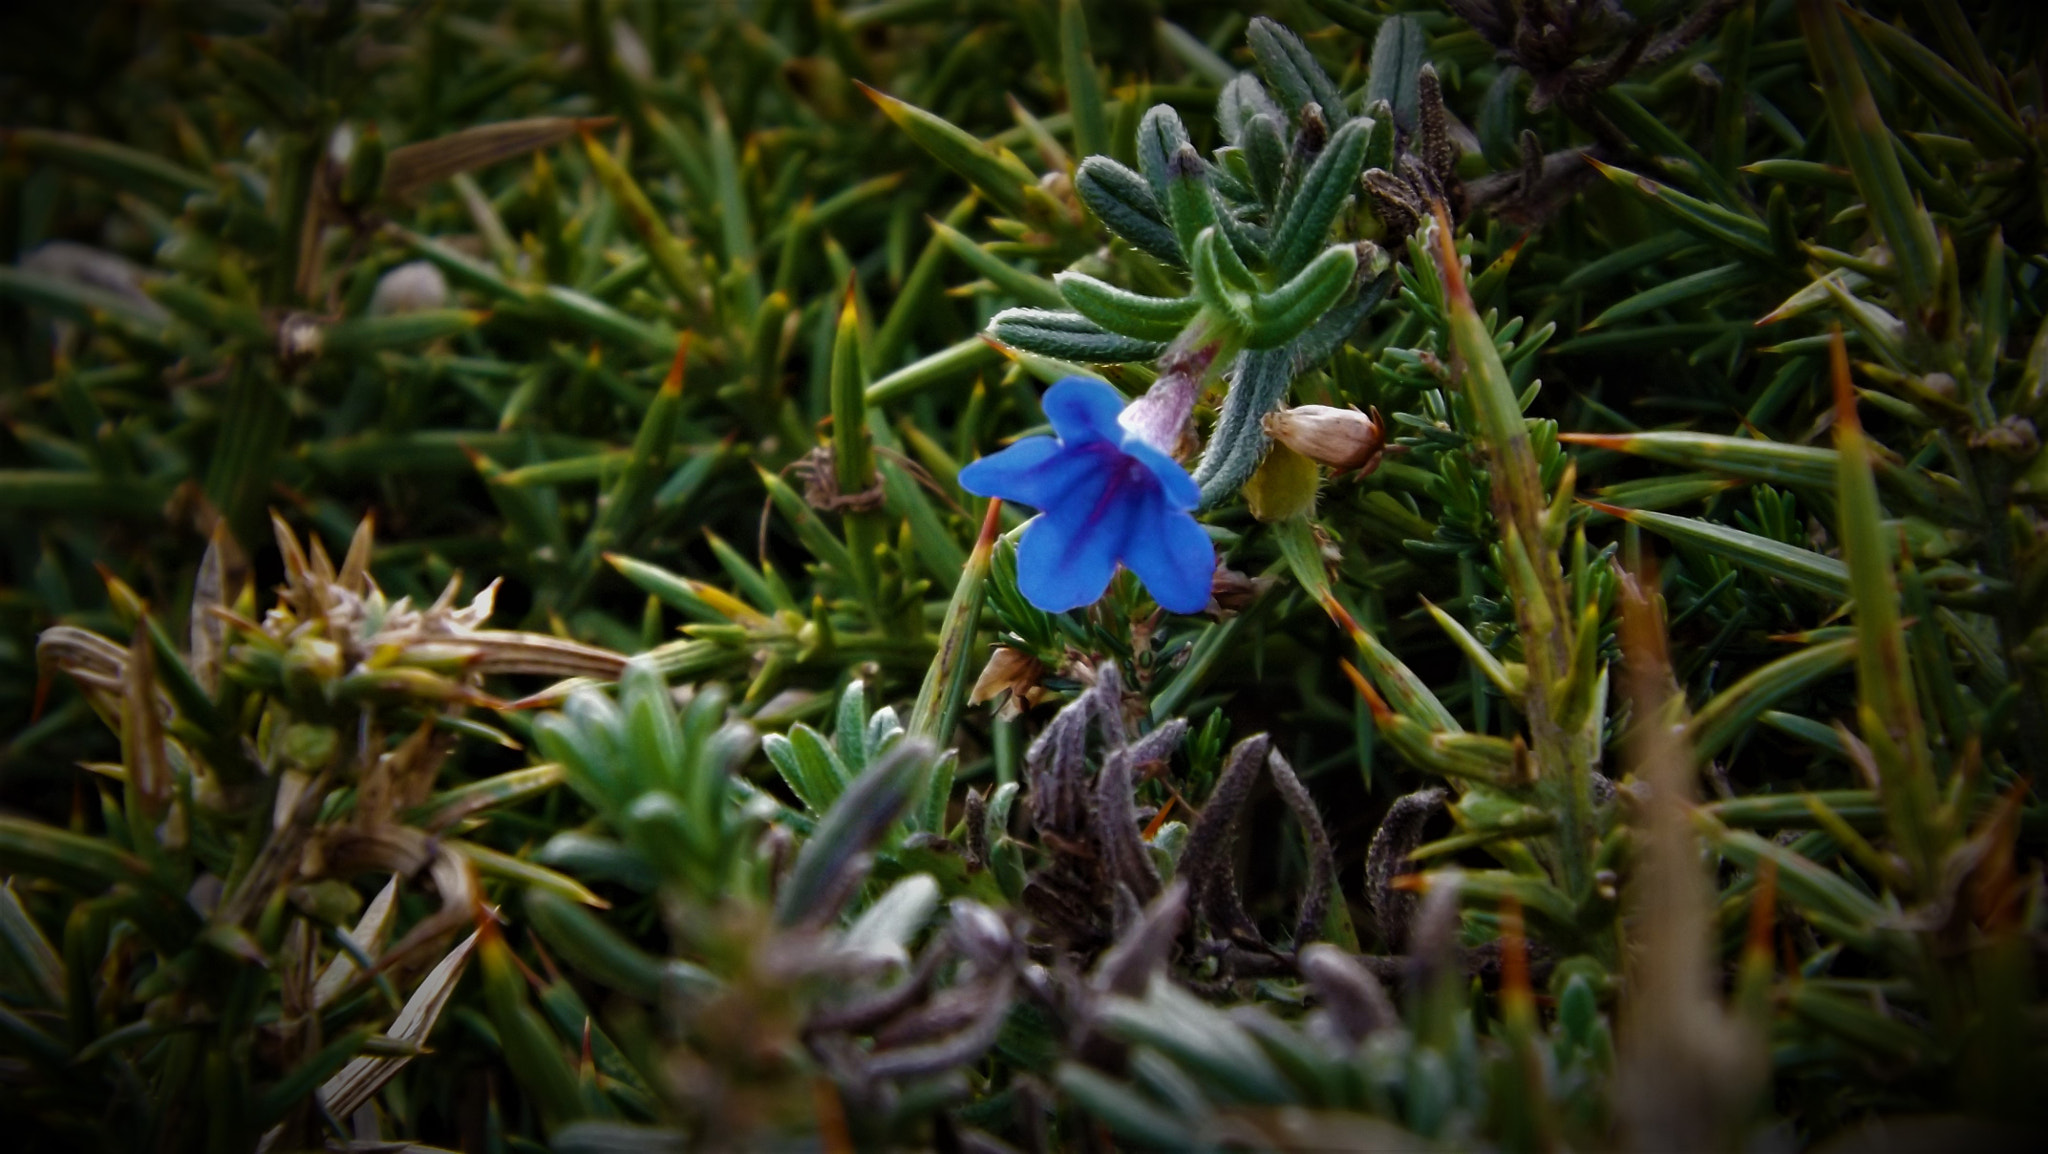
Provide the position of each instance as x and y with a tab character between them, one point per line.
341	144
300	337
1343	439
409	288
631	52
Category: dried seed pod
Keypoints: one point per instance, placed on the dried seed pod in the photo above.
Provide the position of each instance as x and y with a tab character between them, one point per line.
1144	949
1433	126
1393	202
1399	833
1344	439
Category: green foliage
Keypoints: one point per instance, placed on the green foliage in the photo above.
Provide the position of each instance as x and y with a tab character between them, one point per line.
1639	750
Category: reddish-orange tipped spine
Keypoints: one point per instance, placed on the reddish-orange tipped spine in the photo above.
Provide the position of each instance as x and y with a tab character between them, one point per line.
1610	510
1447	256
1763	909
1516	996
1341	615
673	383
1373	701
1845	392
991	526
1159	819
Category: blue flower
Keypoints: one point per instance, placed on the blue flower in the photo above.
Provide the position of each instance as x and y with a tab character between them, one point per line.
1105	495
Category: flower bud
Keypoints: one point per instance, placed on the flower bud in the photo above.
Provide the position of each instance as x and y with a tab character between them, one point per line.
300	337
411	287
1343	439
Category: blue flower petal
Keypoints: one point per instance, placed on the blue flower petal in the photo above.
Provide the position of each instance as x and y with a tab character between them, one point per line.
1179	489
1066	562
1007	474
1044	474
1082	410
1173	557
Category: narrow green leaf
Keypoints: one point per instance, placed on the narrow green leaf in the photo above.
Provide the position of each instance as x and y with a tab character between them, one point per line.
953	362
1888	707
1199	1037
1119	310
1398	53
1033	291
491	862
1132	1116
810	528
1802	567
18	1035
297	1085
1857	1022
885	929
736	231
1069	337
56	491
594	318
1850	914
1678	291
1859	807
465	270
1329	182
1278	317
1861	134
911	300
1944	87
853	455
1200	59
1409	694
991	169
1084	87
1732	711
626	500
1744	234
118	164
359	335
537	1062
451	805
29	955
84	303
213	313
672	258
945	682
86	864
1125	204
597	950
1293	72
1652	135
1772	462
862	814
1803	172
807	762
